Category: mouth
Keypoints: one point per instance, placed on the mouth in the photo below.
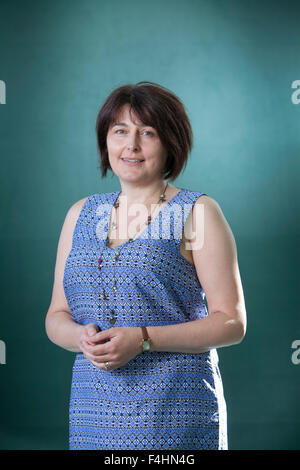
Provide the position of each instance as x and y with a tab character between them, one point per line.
132	161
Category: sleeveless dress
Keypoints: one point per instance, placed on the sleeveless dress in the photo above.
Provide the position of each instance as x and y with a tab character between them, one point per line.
158	400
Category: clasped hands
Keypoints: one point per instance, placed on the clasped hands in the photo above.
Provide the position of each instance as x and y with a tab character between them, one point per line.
115	346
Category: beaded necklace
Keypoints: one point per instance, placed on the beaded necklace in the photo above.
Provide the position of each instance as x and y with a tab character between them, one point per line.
112	319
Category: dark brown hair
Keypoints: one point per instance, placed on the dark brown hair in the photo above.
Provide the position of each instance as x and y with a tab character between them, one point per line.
155	106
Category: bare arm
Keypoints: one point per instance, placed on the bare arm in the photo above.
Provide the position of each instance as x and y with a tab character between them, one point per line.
217	268
60	327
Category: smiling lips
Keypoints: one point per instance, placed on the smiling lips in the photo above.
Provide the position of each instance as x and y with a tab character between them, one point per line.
131	161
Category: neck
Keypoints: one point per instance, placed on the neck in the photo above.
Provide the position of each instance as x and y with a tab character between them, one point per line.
143	193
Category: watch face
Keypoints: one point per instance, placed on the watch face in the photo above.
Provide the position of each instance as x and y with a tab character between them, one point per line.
146	345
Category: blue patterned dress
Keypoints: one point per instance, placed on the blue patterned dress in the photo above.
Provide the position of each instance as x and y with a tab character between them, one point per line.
158	400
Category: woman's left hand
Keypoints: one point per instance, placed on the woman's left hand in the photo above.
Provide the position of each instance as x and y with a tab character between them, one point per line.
115	346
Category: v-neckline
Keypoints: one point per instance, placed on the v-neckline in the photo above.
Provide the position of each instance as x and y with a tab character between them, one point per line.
145	229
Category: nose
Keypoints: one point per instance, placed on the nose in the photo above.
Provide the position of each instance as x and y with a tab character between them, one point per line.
133	143
132	147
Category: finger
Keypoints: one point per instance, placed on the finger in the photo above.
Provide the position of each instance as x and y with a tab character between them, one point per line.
91	330
103	367
87	340
84	343
102	336
99	366
96	358
96	349
112	366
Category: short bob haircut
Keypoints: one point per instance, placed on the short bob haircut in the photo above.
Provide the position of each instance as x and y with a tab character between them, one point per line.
155	106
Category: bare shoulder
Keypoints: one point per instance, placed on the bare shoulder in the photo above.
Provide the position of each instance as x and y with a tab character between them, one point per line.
80	203
75	209
209	203
212	209
210	222
70	223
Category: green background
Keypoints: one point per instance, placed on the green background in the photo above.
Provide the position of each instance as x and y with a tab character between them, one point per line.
232	64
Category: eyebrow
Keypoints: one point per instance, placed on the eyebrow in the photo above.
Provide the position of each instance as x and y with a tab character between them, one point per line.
126	125
119	124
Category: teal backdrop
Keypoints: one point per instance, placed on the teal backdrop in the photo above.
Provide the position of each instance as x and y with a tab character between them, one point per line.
232	63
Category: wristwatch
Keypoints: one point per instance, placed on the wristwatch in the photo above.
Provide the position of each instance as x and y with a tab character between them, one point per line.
145	343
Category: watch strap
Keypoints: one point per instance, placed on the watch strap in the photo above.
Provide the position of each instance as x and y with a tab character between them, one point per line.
145	333
145	342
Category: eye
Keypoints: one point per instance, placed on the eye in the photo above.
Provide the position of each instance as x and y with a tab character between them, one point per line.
149	132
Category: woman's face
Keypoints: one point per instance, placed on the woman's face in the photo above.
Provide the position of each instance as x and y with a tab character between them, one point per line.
135	141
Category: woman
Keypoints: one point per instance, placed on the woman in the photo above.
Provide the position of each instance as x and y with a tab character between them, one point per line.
129	291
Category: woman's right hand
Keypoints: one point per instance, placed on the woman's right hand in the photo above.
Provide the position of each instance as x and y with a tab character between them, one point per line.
87	332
